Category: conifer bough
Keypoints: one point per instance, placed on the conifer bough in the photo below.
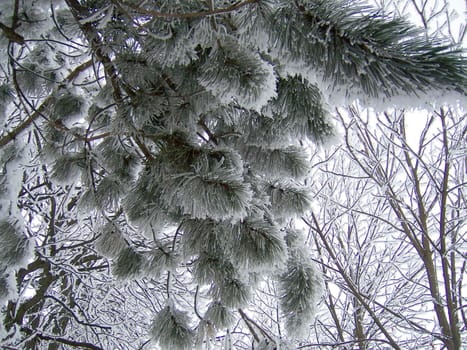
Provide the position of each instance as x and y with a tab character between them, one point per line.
168	141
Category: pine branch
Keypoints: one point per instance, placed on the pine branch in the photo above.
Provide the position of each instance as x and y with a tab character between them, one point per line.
212	12
378	53
79	12
193	126
46	104
220	316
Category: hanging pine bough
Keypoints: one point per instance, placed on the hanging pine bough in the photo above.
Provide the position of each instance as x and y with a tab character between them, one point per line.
154	157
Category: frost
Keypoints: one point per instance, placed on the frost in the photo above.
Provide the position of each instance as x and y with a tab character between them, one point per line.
104	97
348	91
301	287
7	289
110	242
155	151
288	199
66	22
236	76
128	264
274	344
97	15
161	259
17	249
11	179
258	246
289	162
68	168
219	315
69	107
171	329
232	292
203	34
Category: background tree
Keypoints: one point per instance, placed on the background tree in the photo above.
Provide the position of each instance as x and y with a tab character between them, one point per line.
154	156
391	236
386	197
